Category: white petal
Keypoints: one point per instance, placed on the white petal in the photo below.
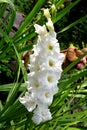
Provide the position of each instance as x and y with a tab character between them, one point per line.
41	113
45	97
41	30
28	101
47	13
48	78
50	25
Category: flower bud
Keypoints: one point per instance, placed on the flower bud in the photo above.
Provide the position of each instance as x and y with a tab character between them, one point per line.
53	8
80	66
46	13
84	60
50	25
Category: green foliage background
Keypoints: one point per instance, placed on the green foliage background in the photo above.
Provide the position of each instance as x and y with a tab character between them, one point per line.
69	108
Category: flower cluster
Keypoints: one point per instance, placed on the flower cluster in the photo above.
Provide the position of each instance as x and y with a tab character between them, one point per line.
45	71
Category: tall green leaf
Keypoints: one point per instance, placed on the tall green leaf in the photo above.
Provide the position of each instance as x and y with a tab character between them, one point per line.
9	2
73	24
29	18
64	11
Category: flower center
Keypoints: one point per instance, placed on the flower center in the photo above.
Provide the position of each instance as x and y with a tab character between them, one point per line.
50	47
51	63
49	78
47	94
37	68
36	85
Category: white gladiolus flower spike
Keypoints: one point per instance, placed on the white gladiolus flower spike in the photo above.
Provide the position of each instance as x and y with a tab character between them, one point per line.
45	71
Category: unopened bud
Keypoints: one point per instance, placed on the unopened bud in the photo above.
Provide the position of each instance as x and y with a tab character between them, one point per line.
80	66
53	8
47	13
84	60
50	25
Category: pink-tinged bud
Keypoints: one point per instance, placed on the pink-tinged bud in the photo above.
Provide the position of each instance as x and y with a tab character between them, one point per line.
84	60
80	66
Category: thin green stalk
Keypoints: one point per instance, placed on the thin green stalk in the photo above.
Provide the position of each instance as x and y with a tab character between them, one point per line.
73	24
29	18
11	21
59	3
73	63
24	39
71	80
64	11
10	99
20	63
8	2
7	87
2	10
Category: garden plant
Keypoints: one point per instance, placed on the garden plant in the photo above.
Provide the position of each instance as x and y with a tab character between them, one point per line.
43	66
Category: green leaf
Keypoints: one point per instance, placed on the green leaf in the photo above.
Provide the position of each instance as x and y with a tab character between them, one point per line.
73	24
2	10
9	2
11	21
26	38
74	78
7	87
73	63
73	128
29	18
20	63
60	2
64	11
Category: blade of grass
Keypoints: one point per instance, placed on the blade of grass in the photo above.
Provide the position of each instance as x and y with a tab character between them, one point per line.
13	91
10	98
20	63
7	87
72	79
29	18
5	39
59	3
64	11
9	2
14	111
73	128
11	21
10	111
26	38
26	48
73	24
2	10
73	63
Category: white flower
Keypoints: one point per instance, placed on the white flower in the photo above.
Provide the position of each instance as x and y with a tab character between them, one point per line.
28	101
46	13
48	45
45	71
48	78
50	25
33	82
41	114
41	30
45	97
45	78
50	63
